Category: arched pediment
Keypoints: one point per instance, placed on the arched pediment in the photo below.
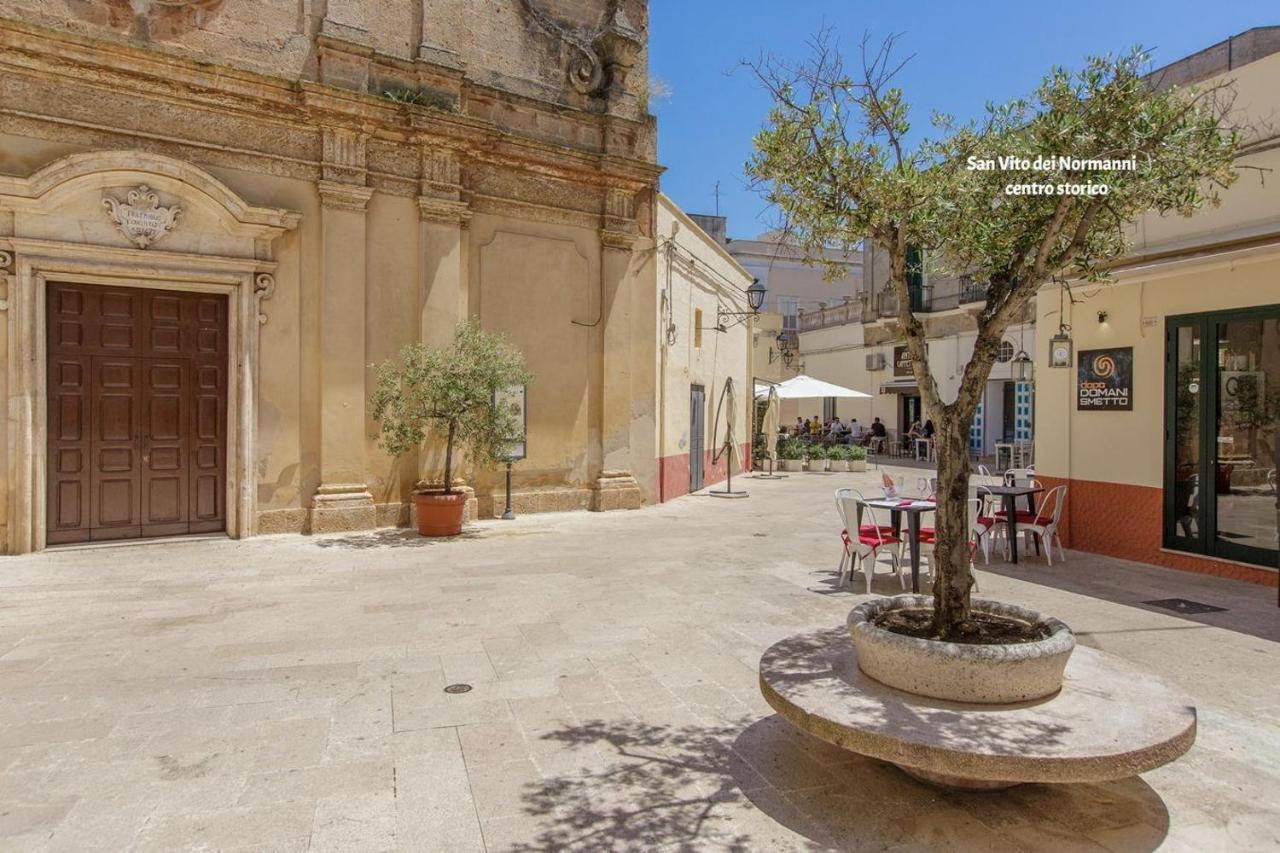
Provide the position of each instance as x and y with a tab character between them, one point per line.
110	186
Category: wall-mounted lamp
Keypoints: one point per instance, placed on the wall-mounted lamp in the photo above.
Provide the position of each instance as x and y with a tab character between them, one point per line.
1102	316
1022	366
755	301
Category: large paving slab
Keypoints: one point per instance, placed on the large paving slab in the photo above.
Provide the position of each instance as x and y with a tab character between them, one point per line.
286	693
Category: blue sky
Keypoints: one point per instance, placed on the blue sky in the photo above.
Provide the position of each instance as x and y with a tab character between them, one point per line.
962	58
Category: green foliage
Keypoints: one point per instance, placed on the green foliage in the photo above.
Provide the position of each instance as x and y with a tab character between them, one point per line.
817	452
450	390
422	98
790	449
857	454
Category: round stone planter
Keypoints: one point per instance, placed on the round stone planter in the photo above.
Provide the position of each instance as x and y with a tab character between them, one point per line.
961	672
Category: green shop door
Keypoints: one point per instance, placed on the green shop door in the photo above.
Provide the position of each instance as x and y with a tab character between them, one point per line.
1222	434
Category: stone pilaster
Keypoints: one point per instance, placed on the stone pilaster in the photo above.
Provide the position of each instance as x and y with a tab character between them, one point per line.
615	486
342	501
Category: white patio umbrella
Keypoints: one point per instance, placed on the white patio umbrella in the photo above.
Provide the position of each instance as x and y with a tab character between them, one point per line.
804	387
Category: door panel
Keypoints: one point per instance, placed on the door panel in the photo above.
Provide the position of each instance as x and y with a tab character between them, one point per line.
137	385
69	451
165	446
697	432
116	511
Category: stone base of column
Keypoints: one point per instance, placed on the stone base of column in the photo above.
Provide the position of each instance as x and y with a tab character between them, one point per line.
338	507
615	490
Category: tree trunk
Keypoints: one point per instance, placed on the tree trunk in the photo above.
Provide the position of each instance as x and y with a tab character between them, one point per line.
448	458
952	577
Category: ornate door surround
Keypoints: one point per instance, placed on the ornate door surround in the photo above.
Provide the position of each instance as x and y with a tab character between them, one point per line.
65	229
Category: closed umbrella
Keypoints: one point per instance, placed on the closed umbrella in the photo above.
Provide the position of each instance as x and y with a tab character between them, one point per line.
729	406
770	427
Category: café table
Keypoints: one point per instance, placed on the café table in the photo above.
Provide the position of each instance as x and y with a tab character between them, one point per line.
1010	494
913	508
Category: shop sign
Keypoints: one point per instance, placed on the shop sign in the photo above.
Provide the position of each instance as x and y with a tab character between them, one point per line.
901	362
511	400
1104	380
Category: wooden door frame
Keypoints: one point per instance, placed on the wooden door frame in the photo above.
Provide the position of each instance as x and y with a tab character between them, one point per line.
244	281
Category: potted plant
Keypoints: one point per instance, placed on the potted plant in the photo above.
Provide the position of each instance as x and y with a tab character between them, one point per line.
818	458
857	457
791	455
448	391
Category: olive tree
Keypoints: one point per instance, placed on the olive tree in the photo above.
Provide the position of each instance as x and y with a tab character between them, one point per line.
451	389
838	157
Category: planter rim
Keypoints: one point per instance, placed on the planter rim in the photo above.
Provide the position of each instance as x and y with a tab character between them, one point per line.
1060	640
439	495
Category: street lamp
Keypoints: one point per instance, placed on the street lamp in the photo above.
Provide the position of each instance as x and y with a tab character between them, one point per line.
1022	366
755	301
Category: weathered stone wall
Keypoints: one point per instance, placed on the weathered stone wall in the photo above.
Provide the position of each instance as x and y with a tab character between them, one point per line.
525	47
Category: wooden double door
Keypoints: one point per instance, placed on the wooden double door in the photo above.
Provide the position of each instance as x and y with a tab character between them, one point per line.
137	403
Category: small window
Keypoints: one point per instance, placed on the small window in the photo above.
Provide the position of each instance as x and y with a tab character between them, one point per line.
697	328
1006	352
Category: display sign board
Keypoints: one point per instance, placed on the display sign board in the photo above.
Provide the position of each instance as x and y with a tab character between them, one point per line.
902	362
1104	380
512	399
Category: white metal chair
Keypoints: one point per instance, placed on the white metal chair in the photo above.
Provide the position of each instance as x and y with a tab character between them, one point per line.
865	542
1045	524
981	525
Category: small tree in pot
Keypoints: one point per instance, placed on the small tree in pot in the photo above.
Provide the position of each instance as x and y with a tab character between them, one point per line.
449	391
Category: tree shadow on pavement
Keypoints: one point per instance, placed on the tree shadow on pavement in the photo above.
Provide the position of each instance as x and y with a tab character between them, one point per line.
745	786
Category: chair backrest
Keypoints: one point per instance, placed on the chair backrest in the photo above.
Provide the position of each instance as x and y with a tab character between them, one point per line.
843	495
975	512
928	486
1050	509
1013	475
984	474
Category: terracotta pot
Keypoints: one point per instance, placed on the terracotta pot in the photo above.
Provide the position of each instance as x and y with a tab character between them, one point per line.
440	514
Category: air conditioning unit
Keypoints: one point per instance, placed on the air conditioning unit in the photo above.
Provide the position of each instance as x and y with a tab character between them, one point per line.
875	361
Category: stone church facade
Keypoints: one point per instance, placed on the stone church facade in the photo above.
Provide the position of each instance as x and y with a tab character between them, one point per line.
215	216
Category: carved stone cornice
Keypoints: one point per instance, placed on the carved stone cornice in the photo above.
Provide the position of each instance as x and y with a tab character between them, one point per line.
444	211
344	196
441	172
623	241
345	156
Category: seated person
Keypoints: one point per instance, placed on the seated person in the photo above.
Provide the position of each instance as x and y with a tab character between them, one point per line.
928	430
855	430
916	430
800	428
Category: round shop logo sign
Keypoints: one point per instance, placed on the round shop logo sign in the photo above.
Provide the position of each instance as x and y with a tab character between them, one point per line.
1104	367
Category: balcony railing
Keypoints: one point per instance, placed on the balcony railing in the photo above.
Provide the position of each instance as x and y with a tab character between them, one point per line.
972	291
831	315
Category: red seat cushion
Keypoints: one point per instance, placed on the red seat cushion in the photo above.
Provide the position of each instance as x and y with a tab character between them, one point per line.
876	541
1022	515
885	530
986	520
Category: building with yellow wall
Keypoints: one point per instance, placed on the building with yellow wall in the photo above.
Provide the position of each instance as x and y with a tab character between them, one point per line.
216	216
1163	419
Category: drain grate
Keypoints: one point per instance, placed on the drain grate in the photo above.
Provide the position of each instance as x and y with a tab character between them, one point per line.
1183	605
458	688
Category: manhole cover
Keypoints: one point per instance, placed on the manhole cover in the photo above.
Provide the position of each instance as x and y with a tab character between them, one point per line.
1182	605
458	688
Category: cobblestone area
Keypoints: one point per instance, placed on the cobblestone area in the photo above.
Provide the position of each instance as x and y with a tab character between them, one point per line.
287	693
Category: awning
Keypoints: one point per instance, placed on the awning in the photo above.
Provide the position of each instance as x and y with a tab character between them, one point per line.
900	386
806	387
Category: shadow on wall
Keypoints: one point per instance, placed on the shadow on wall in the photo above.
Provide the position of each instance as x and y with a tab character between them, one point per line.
756	786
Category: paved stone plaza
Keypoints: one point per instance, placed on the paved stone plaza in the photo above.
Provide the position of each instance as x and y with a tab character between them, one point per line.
286	693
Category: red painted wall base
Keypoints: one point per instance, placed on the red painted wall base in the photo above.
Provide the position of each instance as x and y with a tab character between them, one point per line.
1126	521
673	473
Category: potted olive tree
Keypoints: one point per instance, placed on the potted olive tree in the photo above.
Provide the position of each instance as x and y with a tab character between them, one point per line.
449	391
